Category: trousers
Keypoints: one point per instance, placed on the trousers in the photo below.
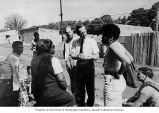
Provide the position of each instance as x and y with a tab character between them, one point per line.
73	79
8	97
86	77
113	89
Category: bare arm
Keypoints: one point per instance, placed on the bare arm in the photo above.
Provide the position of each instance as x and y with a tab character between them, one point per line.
61	81
129	55
125	61
135	104
144	95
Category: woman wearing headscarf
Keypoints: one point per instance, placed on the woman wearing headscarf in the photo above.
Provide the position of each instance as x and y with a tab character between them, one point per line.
48	82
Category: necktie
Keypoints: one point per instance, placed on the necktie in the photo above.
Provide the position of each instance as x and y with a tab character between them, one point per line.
81	48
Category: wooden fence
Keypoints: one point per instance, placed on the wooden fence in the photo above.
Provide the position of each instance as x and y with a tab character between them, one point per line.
144	49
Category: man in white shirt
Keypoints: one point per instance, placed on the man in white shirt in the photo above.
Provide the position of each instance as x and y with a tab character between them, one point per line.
70	63
85	50
14	60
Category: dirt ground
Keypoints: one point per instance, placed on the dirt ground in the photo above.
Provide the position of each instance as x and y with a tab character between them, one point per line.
99	82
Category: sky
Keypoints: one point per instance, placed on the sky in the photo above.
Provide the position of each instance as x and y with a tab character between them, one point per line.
42	12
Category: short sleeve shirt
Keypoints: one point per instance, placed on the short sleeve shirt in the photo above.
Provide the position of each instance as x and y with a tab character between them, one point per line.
56	65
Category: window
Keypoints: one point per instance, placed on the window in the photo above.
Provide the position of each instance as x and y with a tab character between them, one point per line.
7	36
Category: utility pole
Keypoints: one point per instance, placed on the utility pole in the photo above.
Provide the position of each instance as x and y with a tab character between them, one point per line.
157	17
157	38
61	14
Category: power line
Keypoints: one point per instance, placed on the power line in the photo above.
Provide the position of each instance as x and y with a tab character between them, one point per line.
123	14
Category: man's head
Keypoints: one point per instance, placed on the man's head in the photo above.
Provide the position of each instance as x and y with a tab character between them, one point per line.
36	36
144	72
45	46
81	31
110	33
69	32
17	47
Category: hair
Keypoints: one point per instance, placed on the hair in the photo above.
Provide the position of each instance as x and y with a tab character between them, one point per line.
35	34
66	28
44	46
16	43
146	71
111	30
78	27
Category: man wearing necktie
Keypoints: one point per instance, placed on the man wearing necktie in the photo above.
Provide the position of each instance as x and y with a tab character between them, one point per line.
85	50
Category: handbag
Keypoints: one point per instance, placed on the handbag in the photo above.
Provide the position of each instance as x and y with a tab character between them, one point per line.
130	76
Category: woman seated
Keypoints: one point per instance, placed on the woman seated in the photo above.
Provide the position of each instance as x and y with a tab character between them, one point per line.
48	82
148	93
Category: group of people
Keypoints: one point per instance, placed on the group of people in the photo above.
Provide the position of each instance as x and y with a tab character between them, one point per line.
48	83
80	50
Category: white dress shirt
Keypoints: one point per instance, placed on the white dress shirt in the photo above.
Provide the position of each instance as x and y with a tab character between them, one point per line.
90	47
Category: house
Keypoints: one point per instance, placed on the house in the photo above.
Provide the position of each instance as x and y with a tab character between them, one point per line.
27	35
8	36
126	32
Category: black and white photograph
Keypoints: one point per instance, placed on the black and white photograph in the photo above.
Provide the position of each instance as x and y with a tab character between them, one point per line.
95	55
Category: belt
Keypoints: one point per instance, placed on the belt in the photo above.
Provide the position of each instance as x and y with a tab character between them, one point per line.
112	73
82	60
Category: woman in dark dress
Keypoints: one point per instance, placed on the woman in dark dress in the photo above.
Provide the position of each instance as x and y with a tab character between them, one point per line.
48	82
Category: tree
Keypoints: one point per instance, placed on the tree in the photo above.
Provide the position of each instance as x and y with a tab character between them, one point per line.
139	17
94	26
107	19
152	14
120	20
15	22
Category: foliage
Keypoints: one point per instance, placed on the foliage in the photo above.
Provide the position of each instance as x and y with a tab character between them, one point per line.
138	17
15	22
121	20
144	17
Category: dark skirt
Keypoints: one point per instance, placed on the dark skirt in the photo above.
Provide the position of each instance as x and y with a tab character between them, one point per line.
64	99
54	96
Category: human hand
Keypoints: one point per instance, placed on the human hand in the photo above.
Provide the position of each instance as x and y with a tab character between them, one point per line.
116	75
128	104
82	56
74	55
68	65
